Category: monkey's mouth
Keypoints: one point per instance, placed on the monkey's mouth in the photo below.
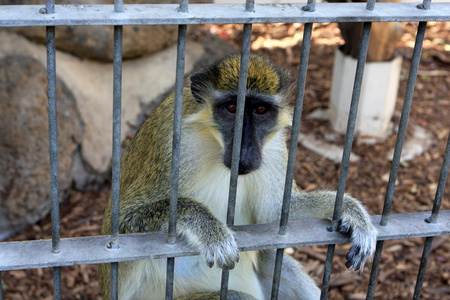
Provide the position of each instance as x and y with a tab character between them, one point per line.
245	166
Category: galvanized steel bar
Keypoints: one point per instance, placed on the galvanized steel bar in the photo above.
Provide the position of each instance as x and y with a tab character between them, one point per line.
277	273
118	6
374	271
50	6
347	150
184	6
117	99
179	82
53	136
327	273
370	5
53	149
153	245
397	151
249	5
433	220
115	189
114	284
426	4
301	82
237	138
403	121
351	124
441	185
153	14
422	268
57	283
310	6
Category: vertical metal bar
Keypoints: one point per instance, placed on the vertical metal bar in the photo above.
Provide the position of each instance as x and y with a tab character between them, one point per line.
374	272
403	122
115	190
249	5
295	126
277	273
118	6
301	80
57	283
239	118
426	5
310	6
351	123
370	5
397	152
117	97
53	137
441	185
50	6
114	284
422	268
347	150
179	82
433	219
53	149
184	5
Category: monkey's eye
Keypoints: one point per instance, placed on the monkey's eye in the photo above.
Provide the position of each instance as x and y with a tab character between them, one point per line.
261	110
231	108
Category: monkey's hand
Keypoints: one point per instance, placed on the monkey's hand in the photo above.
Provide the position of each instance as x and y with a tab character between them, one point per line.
195	223
213	239
355	221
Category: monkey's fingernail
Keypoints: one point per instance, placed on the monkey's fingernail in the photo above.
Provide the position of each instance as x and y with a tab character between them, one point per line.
348	264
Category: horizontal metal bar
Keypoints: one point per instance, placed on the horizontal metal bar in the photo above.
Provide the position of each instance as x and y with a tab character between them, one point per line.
150	14
92	250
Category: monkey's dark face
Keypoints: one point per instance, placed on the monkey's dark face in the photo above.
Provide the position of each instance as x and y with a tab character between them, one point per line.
260	118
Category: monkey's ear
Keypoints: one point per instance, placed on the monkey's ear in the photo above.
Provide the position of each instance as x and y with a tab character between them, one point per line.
199	85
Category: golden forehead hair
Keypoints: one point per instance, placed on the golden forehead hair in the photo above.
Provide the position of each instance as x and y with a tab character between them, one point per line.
263	76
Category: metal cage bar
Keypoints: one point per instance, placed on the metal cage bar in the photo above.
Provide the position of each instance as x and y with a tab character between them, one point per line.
433	219
301	82
152	14
1	287
441	185
347	151
397	152
237	138
179	82
53	150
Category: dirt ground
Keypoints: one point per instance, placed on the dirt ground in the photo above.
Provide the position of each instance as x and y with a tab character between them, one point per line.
81	213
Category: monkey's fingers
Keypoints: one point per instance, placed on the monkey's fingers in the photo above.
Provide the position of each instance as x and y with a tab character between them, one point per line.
225	253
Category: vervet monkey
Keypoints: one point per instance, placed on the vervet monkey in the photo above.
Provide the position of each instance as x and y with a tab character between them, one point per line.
209	107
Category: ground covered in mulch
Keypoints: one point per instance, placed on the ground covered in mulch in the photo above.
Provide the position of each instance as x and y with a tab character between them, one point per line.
81	213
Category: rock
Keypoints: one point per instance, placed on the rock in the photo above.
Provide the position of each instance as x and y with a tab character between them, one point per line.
328	150
145	80
24	146
96	42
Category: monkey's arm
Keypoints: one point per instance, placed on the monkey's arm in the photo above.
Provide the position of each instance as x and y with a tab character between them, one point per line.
354	221
195	223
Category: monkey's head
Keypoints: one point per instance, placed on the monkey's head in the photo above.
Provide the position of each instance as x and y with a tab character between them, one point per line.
267	105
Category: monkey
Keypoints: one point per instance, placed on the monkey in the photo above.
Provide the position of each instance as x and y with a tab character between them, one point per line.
208	114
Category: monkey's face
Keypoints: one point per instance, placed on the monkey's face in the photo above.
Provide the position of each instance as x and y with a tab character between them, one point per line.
260	119
266	106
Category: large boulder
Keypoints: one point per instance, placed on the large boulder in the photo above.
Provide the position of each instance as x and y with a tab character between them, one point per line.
24	145
145	81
